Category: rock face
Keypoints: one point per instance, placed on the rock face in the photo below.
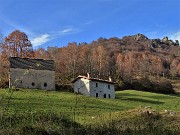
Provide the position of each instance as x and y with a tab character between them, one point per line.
165	39
177	42
140	37
155	43
164	43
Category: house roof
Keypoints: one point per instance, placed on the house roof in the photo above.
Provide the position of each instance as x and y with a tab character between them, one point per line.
26	63
92	79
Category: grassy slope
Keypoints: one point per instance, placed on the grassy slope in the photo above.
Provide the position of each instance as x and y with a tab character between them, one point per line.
84	108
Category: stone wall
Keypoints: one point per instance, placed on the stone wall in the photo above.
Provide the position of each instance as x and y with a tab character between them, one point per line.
33	79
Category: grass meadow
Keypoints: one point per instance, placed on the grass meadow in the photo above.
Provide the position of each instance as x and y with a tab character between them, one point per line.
29	111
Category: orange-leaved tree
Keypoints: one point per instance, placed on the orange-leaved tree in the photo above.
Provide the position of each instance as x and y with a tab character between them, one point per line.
16	44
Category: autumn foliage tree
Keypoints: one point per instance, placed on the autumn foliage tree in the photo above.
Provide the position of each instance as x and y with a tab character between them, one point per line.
16	44
41	53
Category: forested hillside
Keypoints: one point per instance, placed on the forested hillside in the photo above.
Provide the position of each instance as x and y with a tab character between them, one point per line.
132	61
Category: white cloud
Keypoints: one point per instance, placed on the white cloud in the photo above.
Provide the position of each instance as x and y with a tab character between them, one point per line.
67	31
42	39
175	36
87	23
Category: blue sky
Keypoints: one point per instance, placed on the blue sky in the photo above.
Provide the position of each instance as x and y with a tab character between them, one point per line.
57	22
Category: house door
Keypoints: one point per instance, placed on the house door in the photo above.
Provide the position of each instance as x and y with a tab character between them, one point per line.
96	94
104	95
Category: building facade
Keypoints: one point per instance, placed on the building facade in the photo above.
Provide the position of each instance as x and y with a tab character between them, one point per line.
94	87
32	73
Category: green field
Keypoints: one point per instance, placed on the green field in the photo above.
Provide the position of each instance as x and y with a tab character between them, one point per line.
82	107
36	111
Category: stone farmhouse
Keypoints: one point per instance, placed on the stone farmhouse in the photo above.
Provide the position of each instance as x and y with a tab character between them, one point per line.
94	87
32	73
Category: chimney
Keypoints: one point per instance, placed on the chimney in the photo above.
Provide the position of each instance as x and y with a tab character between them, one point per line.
88	75
110	79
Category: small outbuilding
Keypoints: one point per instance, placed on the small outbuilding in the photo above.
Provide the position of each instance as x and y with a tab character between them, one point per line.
94	87
32	73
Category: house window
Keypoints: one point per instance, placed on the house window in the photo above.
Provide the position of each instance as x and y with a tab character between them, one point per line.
96	94
45	84
108	86
33	83
109	96
96	84
104	95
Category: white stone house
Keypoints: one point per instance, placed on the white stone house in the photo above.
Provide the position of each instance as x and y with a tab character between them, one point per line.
32	73
94	87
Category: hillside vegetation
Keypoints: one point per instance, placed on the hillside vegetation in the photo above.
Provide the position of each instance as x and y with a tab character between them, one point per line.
135	62
36	111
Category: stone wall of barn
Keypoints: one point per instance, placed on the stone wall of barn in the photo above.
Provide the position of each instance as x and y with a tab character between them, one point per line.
33	79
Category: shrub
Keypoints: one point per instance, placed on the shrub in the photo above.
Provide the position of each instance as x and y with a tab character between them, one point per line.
163	86
64	87
145	84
